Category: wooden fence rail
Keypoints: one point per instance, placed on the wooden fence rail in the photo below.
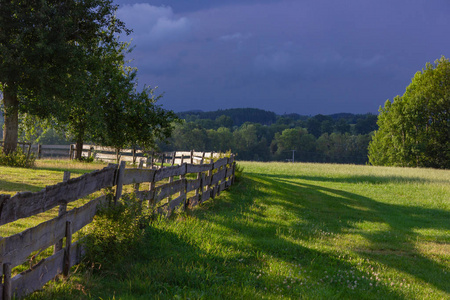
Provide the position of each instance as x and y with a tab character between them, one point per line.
164	194
109	154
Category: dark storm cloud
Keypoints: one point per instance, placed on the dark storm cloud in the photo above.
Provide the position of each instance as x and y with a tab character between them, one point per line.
307	57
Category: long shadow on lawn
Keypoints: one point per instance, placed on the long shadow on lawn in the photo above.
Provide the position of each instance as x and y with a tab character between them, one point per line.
8	186
173	265
71	170
261	236
338	211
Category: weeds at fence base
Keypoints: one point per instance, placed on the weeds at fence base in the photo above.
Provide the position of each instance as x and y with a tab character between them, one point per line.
238	170
115	231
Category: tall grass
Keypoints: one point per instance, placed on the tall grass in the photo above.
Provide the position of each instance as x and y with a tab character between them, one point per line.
308	231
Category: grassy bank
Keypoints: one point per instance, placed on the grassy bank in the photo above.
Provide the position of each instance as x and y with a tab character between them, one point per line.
311	231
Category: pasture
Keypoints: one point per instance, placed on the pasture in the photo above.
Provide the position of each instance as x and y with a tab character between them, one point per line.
308	231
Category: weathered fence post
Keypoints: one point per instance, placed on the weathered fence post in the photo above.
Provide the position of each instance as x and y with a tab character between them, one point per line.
141	165
66	266
62	211
207	183
183	177
40	151
173	157
149	161
119	181
199	176
7	281
170	196
134	155
151	189
117	155
72	152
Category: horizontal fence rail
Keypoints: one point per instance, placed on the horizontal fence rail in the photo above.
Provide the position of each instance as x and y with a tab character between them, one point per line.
109	154
169	189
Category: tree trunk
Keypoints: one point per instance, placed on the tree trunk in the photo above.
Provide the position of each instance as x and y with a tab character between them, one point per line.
11	127
79	149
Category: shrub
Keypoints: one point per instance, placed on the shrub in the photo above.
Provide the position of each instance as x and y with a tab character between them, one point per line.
115	230
238	172
17	159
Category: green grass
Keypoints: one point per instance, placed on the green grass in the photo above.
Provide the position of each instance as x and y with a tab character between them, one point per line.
308	231
47	172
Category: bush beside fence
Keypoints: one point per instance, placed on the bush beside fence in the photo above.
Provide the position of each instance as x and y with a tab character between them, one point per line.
169	189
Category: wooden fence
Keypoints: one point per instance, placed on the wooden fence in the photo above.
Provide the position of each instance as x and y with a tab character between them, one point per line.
168	189
150	158
109	154
41	151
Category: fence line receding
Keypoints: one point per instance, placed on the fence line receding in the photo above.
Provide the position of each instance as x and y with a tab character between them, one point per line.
168	188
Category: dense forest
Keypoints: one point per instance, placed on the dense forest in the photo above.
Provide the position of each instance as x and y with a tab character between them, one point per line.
255	134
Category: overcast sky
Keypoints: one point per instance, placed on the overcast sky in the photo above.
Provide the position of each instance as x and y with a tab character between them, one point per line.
308	57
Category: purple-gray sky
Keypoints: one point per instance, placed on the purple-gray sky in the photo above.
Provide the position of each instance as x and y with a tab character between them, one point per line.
287	56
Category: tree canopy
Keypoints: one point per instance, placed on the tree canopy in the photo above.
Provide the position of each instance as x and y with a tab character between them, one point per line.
414	129
61	62
42	45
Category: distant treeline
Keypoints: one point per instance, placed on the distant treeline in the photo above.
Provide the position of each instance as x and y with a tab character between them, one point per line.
237	115
260	135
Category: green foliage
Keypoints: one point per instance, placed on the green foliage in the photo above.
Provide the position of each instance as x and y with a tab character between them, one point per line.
238	172
366	125
238	116
297	139
35	130
115	230
253	141
344	148
44	48
414	129
17	159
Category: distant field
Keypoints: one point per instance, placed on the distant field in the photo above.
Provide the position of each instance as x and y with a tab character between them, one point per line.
309	231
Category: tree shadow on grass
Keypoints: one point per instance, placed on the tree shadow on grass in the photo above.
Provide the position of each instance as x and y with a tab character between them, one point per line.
8	186
339	212
263	236
71	170
171	263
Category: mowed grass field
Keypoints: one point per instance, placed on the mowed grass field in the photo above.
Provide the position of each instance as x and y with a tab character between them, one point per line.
287	231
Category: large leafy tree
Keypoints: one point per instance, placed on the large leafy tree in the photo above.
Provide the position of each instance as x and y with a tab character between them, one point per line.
44	46
297	139
414	129
103	106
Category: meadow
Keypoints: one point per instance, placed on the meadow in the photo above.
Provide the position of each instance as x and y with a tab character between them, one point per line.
283	230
